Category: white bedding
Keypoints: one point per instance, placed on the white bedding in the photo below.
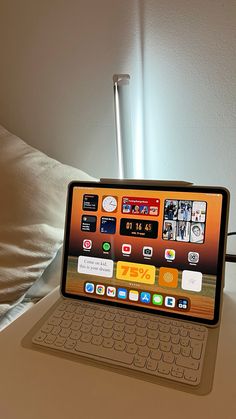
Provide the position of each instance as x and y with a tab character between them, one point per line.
33	191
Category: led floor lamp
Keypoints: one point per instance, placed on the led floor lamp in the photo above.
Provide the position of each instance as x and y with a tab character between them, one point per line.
124	135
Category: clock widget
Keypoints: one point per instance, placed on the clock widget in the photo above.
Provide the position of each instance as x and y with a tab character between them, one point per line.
109	203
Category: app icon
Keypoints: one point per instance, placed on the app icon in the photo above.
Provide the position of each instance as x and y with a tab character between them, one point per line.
192	281
169	254
157	299
145	297
108	225
126	249
109	203
89	287
168	277
169	301
122	293
147	251
87	244
111	291
193	257
100	289
88	223
106	246
133	295
182	303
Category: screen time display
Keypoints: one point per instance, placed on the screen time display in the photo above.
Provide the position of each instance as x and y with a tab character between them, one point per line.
155	249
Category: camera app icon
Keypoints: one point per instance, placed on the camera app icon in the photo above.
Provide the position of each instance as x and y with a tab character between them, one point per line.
147	251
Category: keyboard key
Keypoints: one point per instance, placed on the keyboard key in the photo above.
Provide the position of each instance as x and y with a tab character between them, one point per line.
141	340
151	364
168	357
141	331
78	317
47	328
152	325
65	323
184	341
156	354
185	351
165	321
50	339
164	337
141	323
85	328
187	362
153	343
55	321
108	324
165	346
40	337
109	316
119	327
107	333
196	335
105	353
75	335
153	334
67	315
175	339
96	330
70	344
176	349
87	320
86	337
144	351
129	338
139	361
75	325
108	343
118	335
98	322
190	375
119	346
164	328
131	348
177	371
129	329
164	368
97	340
89	312
65	333
130	320
59	341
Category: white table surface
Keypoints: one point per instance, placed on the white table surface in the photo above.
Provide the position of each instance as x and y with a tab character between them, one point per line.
36	385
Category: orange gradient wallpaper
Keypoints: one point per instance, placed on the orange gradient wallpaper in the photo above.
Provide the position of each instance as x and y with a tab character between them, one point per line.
153	249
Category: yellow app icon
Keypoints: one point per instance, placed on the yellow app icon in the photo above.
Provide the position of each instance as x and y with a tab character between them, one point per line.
168	277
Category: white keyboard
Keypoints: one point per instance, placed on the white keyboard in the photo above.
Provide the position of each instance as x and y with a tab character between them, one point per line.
151	344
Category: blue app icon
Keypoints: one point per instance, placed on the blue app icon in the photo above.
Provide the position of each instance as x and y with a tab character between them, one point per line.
122	293
89	287
145	297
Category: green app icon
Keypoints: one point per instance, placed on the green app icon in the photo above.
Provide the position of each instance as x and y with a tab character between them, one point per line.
106	247
157	299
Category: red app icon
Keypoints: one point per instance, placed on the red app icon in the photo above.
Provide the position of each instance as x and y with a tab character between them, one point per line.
87	244
126	249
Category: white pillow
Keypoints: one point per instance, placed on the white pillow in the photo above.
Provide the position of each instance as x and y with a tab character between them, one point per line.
33	195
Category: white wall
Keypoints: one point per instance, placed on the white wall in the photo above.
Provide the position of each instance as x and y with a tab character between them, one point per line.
58	58
57	62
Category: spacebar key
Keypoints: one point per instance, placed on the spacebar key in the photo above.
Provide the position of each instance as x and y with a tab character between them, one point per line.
104	353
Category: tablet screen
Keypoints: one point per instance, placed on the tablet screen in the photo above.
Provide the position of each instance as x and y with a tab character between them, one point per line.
151	248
